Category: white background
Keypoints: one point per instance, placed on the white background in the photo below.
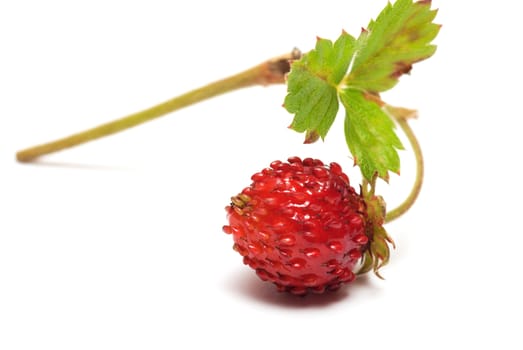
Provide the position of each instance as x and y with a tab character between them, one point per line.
117	244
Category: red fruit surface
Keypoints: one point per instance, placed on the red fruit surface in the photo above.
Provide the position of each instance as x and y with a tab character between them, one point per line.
299	225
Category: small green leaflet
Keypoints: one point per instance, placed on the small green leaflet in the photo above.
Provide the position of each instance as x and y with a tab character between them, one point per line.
312	85
370	135
399	37
351	70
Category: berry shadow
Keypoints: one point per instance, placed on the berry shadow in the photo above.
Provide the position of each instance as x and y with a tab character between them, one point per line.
248	285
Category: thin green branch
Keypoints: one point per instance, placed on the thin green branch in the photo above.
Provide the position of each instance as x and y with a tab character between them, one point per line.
416	188
272	71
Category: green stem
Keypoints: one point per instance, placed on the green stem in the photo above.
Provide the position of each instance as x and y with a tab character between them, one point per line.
369	187
416	188
272	71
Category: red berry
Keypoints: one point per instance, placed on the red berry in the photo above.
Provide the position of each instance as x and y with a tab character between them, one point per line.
300	225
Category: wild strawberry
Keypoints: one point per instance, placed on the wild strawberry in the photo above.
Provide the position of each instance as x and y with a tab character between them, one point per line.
301	226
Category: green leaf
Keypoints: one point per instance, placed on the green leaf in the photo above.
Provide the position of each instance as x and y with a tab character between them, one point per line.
313	83
400	36
370	135
330	61
314	102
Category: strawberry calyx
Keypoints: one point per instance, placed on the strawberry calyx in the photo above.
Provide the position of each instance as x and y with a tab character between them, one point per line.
376	254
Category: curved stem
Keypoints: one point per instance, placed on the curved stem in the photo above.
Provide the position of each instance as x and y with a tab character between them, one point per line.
416	188
272	71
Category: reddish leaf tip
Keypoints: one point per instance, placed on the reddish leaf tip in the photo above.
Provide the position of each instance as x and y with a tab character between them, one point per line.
401	68
311	137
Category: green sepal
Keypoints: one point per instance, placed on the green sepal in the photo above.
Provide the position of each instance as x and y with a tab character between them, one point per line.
377	251
367	263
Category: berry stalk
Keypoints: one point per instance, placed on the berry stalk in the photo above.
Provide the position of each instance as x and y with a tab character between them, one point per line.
272	71
418	155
